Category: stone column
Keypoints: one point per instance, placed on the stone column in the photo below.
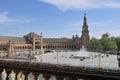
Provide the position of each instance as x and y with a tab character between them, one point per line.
10	49
12	75
3	75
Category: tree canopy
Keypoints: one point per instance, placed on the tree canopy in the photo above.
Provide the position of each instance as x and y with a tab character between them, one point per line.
106	43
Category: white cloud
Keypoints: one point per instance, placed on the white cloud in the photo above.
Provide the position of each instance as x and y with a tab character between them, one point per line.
112	5
5	19
82	4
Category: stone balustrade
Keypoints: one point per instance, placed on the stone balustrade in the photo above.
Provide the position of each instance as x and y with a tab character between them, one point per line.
21	70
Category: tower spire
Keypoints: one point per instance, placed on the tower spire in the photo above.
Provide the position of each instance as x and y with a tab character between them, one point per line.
84	14
85	32
85	19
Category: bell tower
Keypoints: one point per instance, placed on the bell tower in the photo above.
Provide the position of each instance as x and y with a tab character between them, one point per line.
85	33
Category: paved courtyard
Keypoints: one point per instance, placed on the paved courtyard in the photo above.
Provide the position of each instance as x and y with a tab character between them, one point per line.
103	60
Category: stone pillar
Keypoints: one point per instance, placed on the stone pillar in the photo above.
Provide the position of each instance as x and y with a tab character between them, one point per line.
3	75
10	49
12	75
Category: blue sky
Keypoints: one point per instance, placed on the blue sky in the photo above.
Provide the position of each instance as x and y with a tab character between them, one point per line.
59	18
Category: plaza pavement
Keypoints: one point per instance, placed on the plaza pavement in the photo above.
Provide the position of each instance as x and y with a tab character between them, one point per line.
97	60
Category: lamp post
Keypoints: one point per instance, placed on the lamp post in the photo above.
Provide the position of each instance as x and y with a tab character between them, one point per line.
99	59
118	58
57	57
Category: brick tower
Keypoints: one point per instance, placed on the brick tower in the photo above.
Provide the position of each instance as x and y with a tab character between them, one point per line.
85	33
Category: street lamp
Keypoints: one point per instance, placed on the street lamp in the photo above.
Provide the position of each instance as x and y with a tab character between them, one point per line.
99	59
118	58
57	57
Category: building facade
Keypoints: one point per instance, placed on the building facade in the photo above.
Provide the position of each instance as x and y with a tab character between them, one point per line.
36	42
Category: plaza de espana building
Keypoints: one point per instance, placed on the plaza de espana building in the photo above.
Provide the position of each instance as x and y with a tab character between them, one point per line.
36	42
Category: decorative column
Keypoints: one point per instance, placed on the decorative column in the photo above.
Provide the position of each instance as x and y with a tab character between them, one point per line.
10	49
3	75
12	75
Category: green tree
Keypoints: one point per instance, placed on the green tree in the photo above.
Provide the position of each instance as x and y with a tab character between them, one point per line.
96	44
112	44
108	43
118	42
105	41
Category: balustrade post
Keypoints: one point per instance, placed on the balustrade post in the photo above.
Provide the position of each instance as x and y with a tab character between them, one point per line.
3	75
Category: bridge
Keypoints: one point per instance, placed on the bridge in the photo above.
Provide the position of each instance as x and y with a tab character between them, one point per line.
61	72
